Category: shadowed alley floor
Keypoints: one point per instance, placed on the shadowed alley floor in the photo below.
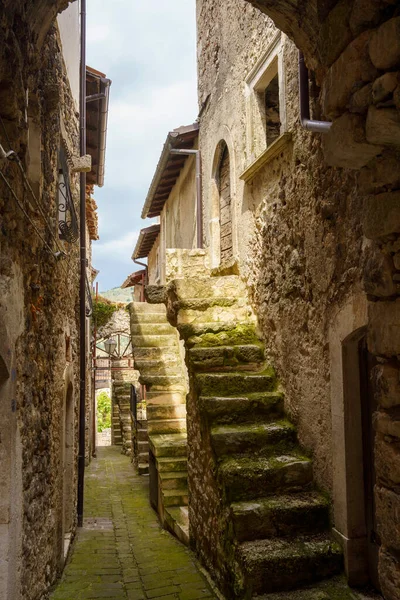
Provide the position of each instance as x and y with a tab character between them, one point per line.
122	552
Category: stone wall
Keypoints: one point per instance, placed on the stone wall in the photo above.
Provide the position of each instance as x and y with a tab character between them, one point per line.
38	307
310	235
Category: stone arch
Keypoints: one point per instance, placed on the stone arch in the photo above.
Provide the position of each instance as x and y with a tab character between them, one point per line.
222	201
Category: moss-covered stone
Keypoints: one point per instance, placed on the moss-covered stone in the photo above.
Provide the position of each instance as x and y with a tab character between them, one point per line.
235	383
238	335
261	439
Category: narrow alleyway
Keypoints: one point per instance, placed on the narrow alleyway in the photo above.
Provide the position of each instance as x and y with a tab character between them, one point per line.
122	553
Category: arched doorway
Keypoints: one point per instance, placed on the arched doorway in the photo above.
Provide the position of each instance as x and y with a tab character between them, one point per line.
225	205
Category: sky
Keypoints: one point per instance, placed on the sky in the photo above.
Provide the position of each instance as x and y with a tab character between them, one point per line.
148	50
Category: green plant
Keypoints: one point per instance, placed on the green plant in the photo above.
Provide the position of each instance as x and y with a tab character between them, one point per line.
103	411
103	310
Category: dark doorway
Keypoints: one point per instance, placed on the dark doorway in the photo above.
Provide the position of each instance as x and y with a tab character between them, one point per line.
368	407
225	209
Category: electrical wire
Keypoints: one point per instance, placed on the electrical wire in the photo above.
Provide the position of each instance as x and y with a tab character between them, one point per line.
20	205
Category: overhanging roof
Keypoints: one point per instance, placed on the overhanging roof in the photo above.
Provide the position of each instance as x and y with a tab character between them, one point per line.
97	99
168	168
134	278
146	240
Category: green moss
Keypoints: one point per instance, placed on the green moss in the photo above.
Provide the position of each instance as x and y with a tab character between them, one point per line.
239	335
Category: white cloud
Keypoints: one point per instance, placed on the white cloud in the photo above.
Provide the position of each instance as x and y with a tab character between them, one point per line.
117	249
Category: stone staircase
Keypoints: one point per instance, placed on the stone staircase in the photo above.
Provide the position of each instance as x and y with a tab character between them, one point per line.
121	400
257	520
157	357
116	435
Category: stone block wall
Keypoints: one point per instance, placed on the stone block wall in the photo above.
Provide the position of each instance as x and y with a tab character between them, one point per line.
317	224
39	327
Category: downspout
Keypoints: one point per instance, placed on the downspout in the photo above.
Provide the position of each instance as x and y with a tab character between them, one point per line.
306	122
199	204
82	287
137	262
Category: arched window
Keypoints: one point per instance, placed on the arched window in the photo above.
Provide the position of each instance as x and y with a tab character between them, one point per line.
225	209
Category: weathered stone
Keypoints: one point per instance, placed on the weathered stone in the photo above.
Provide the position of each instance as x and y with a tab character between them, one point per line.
384	86
388	516
378	274
365	14
382	215
382	174
387	424
384	330
383	126
345	145
82	164
155	294
361	99
389	574
386	379
396	97
384	47
396	261
351	71
387	462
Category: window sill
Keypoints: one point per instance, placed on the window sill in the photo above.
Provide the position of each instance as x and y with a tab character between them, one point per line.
271	152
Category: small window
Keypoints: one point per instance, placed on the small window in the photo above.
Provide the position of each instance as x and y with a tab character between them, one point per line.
272	112
265	100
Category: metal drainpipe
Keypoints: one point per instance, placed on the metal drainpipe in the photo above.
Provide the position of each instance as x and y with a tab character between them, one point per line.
199	204
82	307
306	122
137	262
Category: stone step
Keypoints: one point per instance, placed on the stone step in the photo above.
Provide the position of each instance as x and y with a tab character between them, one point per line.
144	307
145	329
175	497
162	398
248	356
255	438
170	445
239	312
156	341
148	317
177	521
167	464
273	565
143	468
249	408
142	435
164	353
227	329
246	478
280	516
143	457
167	426
143	447
173	480
159	367
210	288
159	382
233	383
166	411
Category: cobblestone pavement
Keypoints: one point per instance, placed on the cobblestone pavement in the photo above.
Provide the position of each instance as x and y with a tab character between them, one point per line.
122	552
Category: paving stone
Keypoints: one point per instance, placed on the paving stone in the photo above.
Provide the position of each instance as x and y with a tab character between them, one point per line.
131	558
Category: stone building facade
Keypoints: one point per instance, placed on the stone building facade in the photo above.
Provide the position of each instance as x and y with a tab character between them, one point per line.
310	224
39	298
315	225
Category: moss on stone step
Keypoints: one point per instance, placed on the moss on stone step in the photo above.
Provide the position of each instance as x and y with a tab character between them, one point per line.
281	516
245	478
275	564
253	438
260	406
238	335
235	383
